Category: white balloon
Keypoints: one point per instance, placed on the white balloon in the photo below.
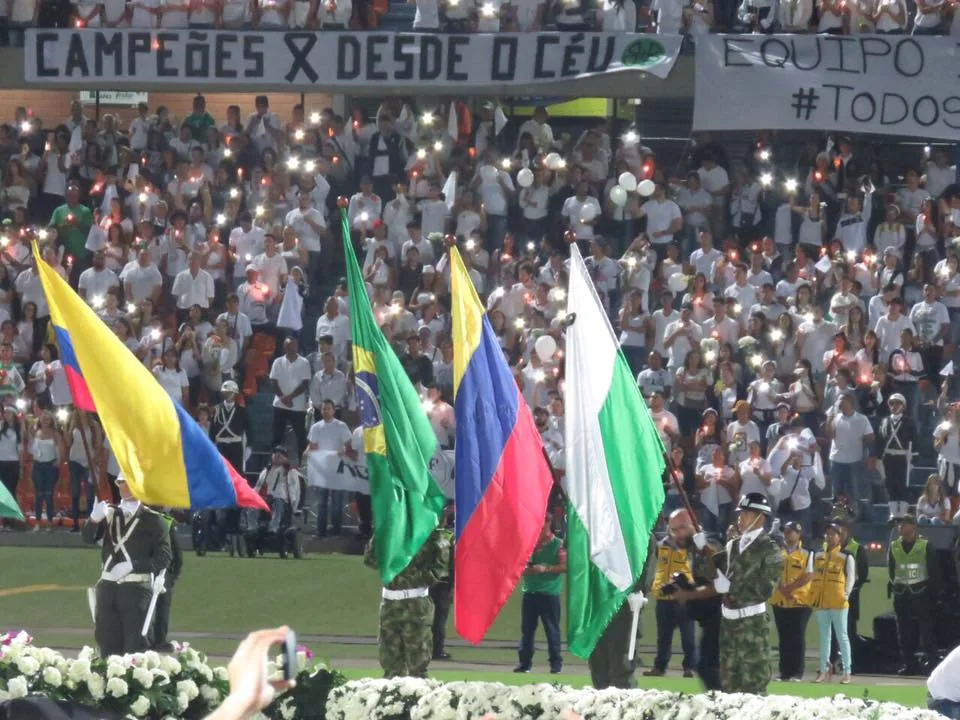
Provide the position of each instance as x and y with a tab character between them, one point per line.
628	181
618	196
552	160
488	173
646	188
525	178
588	213
545	347
677	282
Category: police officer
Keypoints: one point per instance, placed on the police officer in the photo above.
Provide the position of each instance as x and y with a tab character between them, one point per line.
897	435
914	576
135	549
754	568
406	611
228	431
673	556
791	604
161	622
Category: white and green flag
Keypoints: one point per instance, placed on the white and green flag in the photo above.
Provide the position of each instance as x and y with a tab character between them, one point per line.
614	468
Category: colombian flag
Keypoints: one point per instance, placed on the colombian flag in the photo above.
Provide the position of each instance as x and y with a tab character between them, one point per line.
503	480
166	457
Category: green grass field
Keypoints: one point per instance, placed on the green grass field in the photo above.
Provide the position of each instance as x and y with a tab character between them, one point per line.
331	601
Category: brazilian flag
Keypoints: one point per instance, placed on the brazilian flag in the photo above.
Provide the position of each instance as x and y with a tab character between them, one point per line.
397	436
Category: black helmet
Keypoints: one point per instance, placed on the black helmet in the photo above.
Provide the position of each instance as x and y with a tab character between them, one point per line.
757	502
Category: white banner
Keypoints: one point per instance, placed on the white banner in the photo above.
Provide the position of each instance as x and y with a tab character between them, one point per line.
886	84
312	60
113	97
333	471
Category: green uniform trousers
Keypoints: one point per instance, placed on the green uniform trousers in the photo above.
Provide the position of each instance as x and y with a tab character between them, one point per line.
406	637
745	654
609	664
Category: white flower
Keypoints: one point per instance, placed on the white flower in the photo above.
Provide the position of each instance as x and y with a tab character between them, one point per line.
28	666
140	706
143	676
152	659
183	702
170	665
95	686
220	673
210	694
86	653
115	669
205	672
52	676
17	687
79	669
161	677
287	709
117	688
188	688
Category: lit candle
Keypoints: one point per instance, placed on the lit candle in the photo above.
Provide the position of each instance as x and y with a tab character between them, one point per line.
310	166
427	118
421	154
221	219
97	302
299	134
21	404
315	118
776	335
438	146
519	323
559	294
131	308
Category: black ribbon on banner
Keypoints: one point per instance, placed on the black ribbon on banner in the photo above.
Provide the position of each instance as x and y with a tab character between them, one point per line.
300	53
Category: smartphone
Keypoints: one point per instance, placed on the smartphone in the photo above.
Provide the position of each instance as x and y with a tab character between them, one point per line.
290	656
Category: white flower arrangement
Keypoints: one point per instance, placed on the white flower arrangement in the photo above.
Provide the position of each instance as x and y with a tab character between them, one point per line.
430	700
153	686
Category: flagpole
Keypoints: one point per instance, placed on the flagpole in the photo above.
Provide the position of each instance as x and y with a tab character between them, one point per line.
675	477
82	421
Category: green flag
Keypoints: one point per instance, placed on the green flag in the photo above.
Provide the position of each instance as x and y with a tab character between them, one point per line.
614	468
8	504
397	436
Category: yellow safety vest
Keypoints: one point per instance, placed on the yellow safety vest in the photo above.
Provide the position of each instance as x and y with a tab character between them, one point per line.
794	566
670	560
829	584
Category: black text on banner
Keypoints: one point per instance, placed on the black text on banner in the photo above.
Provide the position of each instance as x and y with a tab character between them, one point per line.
326	59
894	85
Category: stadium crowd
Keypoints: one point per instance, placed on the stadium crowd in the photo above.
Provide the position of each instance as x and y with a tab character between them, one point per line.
662	16
790	320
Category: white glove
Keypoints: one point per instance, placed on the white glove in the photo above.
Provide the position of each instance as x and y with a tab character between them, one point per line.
118	571
766	23
158	585
637	601
700	540
721	584
775	525
99	511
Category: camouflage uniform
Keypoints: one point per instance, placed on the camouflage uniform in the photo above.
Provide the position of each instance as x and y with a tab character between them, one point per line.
406	637
745	642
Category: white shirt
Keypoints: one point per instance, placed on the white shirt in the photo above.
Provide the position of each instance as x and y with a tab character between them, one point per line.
751	479
339	328
289	375
888	333
247	245
713	180
329	436
328	387
848	434
141	280
97	282
944	681
660	215
493	196
30	290
190	289
309	238
574	210
271	269
927	318
172	381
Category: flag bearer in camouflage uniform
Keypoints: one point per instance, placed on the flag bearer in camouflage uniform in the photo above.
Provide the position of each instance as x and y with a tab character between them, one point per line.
754	567
406	611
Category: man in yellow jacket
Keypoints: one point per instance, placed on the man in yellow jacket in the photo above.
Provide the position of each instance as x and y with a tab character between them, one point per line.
673	556
791	604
